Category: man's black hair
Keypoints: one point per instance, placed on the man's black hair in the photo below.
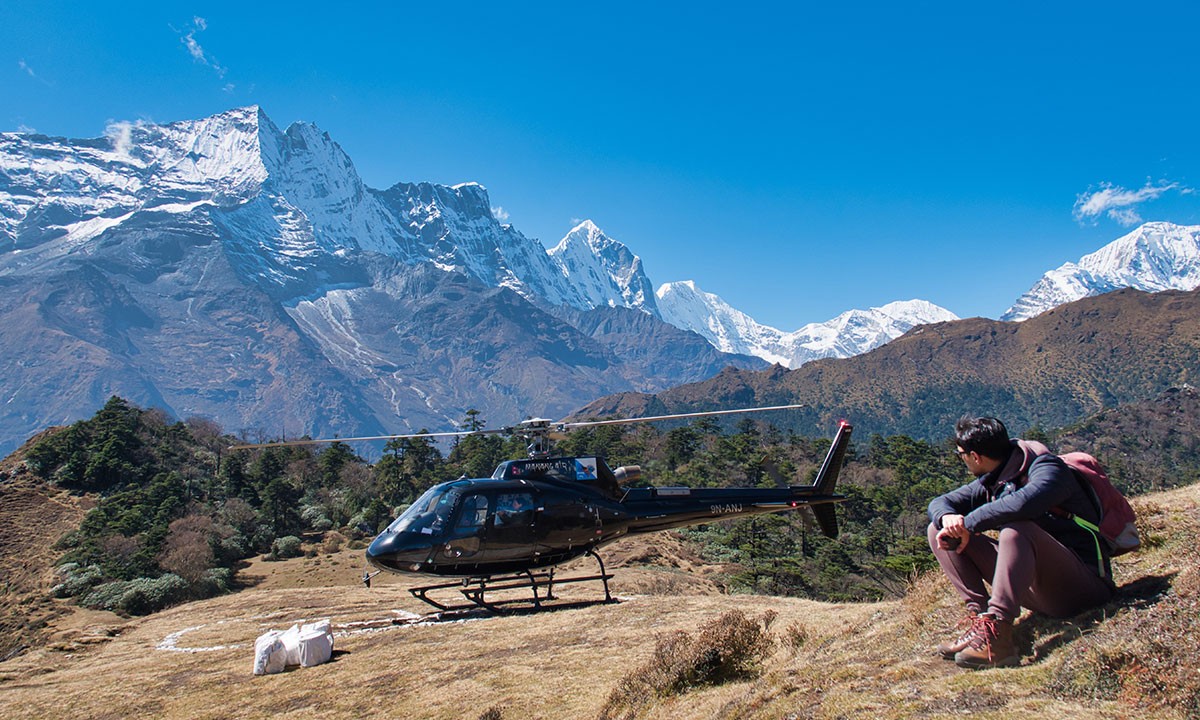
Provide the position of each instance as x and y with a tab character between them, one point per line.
984	435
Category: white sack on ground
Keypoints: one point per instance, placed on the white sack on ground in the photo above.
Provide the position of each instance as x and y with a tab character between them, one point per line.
270	656
316	647
291	642
303	645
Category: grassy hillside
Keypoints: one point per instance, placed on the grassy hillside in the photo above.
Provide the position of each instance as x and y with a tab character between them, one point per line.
825	660
1052	370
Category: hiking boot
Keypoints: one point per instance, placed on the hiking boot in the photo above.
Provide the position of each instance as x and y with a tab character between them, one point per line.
965	629
990	645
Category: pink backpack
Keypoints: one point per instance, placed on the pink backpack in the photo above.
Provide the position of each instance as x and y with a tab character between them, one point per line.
1117	521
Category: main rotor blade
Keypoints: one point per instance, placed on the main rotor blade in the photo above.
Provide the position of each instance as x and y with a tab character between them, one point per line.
317	441
533	426
706	413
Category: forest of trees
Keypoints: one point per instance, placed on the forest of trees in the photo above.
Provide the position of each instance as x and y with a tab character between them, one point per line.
177	511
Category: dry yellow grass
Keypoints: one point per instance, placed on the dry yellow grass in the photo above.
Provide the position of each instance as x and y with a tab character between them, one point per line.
843	660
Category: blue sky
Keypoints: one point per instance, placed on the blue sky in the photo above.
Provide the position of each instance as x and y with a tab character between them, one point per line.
795	158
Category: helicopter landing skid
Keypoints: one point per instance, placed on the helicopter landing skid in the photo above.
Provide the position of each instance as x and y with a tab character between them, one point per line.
475	590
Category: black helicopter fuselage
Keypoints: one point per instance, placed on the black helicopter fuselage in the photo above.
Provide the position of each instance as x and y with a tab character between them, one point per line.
543	512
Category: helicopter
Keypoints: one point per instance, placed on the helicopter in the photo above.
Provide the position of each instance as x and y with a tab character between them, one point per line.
511	530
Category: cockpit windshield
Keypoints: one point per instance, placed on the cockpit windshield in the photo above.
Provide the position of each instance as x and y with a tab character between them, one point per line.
429	513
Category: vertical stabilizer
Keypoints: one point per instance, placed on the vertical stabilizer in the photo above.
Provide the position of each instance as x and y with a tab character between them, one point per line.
827	479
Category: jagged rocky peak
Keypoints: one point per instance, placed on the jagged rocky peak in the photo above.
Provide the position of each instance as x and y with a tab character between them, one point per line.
1155	256
71	190
230	151
475	199
603	270
590	235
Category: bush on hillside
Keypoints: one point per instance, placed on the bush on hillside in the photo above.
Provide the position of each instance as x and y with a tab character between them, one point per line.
733	647
76	580
137	597
284	548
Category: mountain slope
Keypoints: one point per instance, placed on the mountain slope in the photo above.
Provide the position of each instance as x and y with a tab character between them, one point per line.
224	267
1156	256
1053	369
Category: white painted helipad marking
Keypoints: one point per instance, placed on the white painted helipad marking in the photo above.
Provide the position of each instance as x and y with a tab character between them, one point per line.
398	619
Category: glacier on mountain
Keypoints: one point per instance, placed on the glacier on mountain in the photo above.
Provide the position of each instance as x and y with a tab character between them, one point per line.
685	305
1155	256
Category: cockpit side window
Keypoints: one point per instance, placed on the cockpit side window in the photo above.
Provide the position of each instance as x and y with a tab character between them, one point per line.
474	511
514	508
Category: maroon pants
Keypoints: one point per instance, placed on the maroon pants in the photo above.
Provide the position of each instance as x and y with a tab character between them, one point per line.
1026	567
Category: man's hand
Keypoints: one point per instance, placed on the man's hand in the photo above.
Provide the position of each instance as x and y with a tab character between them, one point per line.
954	534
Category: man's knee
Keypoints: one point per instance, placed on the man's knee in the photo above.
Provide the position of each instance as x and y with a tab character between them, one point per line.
931	532
1018	534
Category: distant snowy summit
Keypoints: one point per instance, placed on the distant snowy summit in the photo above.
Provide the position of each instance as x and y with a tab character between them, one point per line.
1156	256
853	332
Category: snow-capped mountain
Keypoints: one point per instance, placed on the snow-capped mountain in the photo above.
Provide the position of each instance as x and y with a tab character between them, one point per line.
225	268
853	332
1156	256
292	197
602	270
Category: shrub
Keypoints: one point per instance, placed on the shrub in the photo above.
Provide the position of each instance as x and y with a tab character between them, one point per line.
732	647
284	548
233	548
105	596
137	597
794	637
332	543
314	517
145	595
76	580
216	581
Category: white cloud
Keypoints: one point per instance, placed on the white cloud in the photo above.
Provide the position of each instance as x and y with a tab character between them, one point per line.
29	71
120	134
196	50
1118	203
1125	216
500	214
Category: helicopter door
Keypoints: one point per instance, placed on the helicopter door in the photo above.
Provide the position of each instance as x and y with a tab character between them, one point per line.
463	540
509	533
566	524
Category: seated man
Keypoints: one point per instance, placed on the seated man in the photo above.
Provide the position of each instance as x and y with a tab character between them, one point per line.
509	509
1042	559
